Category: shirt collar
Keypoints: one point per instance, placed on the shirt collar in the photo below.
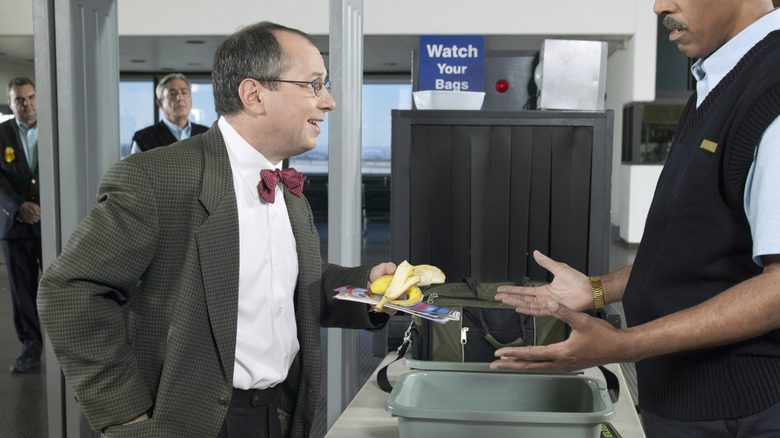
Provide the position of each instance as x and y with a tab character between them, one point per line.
22	126
245	160
175	129
711	70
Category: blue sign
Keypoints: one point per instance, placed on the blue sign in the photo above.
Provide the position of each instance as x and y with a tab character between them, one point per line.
452	62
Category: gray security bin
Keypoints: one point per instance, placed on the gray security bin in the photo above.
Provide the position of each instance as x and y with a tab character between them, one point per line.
476	404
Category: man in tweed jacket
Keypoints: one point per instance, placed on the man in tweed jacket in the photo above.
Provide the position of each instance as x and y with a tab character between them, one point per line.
154	307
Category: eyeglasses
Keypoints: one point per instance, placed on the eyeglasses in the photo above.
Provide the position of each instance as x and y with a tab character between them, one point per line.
316	85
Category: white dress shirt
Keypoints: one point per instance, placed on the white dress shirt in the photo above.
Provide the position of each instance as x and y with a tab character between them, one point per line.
266	338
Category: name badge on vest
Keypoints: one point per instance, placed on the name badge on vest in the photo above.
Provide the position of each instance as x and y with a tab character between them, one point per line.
9	154
708	146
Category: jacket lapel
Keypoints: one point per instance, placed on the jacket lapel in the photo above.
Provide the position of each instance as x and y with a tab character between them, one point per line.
306	244
20	156
218	246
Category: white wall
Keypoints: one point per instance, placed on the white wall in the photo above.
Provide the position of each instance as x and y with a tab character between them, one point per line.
397	17
9	71
630	78
16	17
635	195
496	17
16	20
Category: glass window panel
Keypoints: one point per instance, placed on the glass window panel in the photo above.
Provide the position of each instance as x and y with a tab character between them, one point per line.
378	100
315	161
136	103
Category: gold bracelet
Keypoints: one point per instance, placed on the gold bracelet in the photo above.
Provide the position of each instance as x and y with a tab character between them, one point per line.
598	292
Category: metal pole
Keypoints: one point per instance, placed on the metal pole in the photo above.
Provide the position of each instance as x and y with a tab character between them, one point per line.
344	187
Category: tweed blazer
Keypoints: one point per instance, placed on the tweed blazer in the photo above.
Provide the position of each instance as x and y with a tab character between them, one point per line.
141	306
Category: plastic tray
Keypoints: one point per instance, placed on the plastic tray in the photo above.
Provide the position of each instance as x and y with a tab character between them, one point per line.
480	404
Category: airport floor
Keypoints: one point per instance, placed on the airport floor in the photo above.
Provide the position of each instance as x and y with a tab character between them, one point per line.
23	399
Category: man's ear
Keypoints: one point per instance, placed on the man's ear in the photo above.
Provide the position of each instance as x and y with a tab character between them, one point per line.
160	104
251	94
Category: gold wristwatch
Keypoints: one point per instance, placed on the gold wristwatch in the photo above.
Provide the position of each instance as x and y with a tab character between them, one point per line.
598	292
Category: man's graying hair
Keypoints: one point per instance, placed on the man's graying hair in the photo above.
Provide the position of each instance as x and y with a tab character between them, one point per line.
18	82
160	89
252	52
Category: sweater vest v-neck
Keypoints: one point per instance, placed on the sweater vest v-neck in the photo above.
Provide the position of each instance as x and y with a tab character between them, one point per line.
158	135
697	243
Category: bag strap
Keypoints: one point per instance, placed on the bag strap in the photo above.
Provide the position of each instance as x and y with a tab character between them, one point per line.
473	285
519	342
613	385
381	375
474	282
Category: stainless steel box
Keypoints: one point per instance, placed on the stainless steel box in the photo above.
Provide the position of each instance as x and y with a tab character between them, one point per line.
571	74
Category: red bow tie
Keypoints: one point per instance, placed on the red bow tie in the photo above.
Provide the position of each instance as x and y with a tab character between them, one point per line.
291	178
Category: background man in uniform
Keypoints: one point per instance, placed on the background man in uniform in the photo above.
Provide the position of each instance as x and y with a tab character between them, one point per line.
702	296
20	226
174	97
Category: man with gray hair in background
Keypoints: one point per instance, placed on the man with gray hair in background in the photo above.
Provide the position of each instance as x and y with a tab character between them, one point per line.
174	98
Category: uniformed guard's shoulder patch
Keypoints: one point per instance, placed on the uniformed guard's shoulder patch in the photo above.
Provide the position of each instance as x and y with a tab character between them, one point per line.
708	145
9	154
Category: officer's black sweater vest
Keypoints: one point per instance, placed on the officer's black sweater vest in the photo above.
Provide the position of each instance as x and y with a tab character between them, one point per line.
697	243
159	135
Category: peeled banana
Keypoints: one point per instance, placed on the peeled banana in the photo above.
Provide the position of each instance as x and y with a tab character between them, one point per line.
406	280
414	294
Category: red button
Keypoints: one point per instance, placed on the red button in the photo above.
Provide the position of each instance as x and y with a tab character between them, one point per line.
502	85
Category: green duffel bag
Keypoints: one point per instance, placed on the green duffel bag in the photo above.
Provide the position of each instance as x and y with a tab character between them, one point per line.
485	325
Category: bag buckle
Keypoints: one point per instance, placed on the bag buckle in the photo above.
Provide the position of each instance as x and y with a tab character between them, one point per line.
407	338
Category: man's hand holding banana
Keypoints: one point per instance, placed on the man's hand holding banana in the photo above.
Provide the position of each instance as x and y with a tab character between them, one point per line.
406	280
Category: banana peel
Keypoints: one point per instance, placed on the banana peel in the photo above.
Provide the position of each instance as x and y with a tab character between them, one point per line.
429	275
406	280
